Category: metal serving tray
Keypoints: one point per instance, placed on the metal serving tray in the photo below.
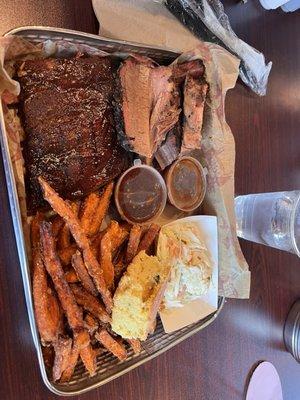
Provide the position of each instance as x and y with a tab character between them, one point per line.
108	366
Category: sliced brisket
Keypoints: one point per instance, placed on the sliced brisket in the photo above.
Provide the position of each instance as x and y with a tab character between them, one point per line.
195	91
151	102
170	148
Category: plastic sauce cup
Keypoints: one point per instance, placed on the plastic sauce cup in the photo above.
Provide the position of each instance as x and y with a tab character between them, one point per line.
186	183
140	194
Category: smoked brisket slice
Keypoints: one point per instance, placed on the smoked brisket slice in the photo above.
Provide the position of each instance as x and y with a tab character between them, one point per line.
195	91
170	148
149	101
66	108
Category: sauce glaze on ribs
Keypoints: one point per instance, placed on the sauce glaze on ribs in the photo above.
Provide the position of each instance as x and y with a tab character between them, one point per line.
66	108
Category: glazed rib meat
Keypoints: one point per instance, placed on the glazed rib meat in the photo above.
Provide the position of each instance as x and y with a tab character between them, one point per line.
66	107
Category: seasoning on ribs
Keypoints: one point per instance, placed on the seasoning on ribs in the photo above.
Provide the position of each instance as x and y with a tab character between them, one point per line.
66	108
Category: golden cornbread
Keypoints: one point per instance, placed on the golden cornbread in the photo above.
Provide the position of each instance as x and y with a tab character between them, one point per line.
138	296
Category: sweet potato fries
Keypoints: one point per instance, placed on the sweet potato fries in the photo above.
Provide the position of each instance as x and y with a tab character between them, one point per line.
81	239
76	268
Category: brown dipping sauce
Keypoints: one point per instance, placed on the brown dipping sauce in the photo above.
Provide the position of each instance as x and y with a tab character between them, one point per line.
141	194
186	184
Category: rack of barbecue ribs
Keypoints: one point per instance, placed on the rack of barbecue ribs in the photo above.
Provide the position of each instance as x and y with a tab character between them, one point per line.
70	138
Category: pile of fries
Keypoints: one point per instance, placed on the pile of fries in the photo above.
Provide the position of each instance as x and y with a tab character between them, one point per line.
76	269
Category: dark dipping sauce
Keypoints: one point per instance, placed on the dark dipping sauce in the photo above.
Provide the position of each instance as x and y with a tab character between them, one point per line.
141	195
186	184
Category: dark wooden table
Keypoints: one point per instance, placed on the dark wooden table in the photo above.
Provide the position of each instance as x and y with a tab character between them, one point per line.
215	363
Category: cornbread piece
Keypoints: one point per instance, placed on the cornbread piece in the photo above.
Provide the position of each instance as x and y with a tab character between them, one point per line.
66	108
138	296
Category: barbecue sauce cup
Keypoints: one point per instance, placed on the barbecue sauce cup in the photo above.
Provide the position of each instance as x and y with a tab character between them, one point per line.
186	183
140	194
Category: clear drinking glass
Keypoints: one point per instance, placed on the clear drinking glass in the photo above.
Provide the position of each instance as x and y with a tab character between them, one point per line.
272	219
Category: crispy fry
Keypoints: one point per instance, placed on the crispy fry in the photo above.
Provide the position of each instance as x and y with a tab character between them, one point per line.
88	210
81	346
71	276
72	361
91	324
111	241
65	255
64	237
101	210
88	356
54	269
95	243
117	243
90	303
120	265
57	224
111	344
35	230
120	253
117	234
135	344
47	311
81	271
81	340
149	238
133	243
90	261
106	260
62	348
